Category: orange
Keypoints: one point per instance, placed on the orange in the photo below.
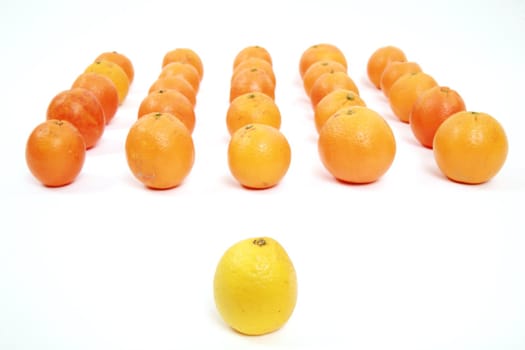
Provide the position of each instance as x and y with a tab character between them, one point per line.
393	71
169	101
431	109
258	156
81	108
122	60
55	152
250	80
470	147
356	145
252	107
185	70
405	92
380	59
329	82
334	101
255	62
114	72
103	88
175	82
320	52
159	150
316	70
184	55
250	52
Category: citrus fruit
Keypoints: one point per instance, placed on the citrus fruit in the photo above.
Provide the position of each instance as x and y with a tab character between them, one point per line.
316	70
169	101
55	152
393	71
406	90
380	59
334	101
251	80
175	82
159	150
184	55
252	107
185	70
255	286
356	145
250	52
329	82
470	147
114	72
103	88
431	109
258	156
258	63
122	60
82	108
320	52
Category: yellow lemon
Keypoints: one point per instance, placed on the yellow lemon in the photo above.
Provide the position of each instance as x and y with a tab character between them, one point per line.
255	286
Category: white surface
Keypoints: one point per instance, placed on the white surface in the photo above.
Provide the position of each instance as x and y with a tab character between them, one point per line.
413	261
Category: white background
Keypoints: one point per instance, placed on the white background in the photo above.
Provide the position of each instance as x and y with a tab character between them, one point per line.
413	261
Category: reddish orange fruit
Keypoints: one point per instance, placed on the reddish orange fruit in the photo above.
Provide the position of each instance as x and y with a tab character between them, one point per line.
55	152
431	109
82	108
103	88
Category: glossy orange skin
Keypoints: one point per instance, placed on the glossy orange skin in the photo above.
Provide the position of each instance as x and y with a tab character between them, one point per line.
251	80
252	107
380	59
55	152
316	70
393	71
334	101
329	82
82	108
255	62
321	52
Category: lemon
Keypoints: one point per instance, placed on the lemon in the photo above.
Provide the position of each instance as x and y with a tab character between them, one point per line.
255	286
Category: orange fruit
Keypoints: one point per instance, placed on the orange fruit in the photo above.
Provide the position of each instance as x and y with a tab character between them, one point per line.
316	70
356	145
334	101
159	150
329	82
175	82
255	62
55	152
258	156
320	52
250	52
122	60
431	109
393	71
470	147
185	70
81	108
250	80
252	107
114	72
405	92
103	88
380	59
184	55
169	101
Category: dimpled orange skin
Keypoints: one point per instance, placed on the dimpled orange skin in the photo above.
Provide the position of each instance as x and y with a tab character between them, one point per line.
175	82
329	82
380	59
251	80
334	101
184	55
356	145
316	70
159	150
320	52
257	63
250	52
55	152
252	107
393	71
470	147
258	156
